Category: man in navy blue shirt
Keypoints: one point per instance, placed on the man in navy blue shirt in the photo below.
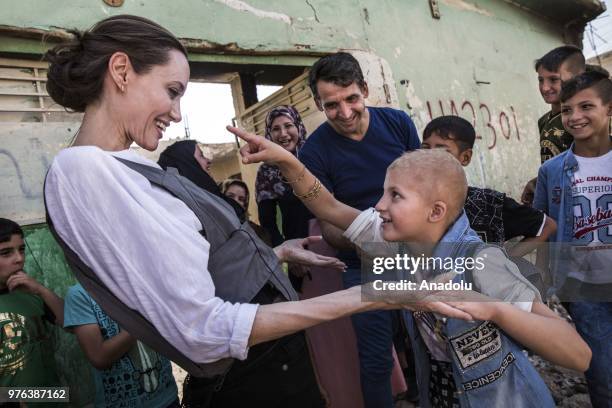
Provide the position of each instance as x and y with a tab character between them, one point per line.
349	154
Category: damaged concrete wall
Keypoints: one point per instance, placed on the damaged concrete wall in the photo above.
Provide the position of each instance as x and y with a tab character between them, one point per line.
474	61
26	151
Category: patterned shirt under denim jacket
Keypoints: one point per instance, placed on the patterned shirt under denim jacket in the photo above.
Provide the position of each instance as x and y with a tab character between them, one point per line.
489	367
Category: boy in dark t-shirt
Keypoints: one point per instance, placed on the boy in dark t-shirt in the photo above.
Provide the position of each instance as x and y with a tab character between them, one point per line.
492	214
26	308
555	67
554	139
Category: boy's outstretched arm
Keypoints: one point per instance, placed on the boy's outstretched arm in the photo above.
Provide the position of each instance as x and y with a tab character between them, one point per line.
540	330
103	353
334	236
529	244
529	192
321	202
27	283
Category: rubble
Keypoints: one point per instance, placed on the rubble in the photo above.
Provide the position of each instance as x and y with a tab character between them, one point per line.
568	387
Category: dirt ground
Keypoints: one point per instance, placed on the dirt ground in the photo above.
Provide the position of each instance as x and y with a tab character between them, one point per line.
568	388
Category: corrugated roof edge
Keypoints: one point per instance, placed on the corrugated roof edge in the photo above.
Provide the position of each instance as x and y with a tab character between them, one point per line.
563	11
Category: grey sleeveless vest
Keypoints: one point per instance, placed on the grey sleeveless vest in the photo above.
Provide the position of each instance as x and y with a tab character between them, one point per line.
240	265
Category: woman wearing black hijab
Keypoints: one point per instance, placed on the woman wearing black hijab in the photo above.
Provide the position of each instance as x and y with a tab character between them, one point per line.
183	156
187	158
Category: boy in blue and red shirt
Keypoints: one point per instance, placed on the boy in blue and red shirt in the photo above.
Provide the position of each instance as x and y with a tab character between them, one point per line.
575	188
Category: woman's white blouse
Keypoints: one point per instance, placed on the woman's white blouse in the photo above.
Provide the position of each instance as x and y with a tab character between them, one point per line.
144	244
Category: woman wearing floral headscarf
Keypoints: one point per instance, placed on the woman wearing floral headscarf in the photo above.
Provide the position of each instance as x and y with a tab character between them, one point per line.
284	127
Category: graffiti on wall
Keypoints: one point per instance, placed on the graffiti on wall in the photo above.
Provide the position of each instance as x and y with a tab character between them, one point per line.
27	191
27	150
491	124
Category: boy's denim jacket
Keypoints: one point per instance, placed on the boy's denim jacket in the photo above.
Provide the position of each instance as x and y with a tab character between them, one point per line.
554	192
489	367
554	196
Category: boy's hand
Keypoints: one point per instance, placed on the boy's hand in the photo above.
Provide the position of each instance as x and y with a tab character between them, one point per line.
24	282
529	192
258	148
435	301
127	335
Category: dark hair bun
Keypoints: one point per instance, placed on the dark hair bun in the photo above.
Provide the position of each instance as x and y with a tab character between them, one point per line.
77	68
68	81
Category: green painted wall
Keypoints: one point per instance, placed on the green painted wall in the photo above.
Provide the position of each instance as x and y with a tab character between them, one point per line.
46	263
475	61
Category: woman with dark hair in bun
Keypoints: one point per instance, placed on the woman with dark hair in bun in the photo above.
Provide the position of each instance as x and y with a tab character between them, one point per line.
127	75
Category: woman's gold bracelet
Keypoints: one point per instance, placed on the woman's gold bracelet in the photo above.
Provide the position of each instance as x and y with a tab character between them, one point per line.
311	194
300	177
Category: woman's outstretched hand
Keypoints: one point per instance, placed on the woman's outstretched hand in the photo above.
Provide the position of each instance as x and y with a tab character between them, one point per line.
296	251
258	148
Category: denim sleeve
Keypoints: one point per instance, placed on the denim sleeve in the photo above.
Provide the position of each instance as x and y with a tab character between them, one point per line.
501	279
540	200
